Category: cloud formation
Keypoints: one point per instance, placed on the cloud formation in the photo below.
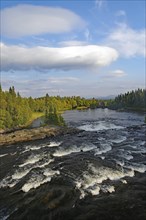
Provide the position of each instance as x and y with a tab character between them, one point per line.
25	20
117	73
127	41
64	58
120	13
99	3
72	43
63	80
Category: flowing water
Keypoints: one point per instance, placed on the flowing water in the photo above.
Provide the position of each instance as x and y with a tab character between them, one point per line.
97	173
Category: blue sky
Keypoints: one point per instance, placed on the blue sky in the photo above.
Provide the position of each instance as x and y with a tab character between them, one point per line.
87	48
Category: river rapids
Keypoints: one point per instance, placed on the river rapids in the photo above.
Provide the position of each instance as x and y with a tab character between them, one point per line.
97	173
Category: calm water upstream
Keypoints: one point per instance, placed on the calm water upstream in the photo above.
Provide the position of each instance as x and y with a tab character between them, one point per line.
97	173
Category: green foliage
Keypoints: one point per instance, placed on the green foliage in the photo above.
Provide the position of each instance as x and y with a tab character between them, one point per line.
51	115
134	100
14	110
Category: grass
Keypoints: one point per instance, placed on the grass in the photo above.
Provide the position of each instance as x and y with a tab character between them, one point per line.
82	108
34	116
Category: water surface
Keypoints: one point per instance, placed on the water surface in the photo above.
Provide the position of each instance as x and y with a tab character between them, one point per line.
74	176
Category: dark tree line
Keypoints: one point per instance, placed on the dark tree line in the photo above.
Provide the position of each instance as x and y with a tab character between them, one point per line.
16	111
134	100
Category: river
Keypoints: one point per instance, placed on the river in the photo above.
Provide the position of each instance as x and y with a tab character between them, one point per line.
97	173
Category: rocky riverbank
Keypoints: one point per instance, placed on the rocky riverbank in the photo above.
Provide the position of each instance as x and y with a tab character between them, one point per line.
34	134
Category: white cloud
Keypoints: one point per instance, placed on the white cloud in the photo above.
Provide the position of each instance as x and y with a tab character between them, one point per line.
46	58
87	34
117	73
99	3
24	20
114	75
121	13
72	43
127	41
63	80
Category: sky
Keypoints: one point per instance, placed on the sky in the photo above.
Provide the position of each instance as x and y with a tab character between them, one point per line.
82	48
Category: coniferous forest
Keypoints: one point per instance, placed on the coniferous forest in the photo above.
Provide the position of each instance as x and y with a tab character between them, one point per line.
134	100
17	111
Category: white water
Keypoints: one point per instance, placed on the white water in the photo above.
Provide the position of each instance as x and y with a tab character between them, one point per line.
39	179
74	149
35	182
35	169
92	180
31	160
3	155
34	147
54	144
19	174
103	149
118	140
98	126
141	168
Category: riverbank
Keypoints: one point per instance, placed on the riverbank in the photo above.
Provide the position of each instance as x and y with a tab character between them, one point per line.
34	134
136	110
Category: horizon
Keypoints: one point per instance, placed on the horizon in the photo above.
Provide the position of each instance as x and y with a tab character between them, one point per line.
95	49
108	97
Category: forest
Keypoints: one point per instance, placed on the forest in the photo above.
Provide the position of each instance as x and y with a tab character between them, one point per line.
134	100
17	111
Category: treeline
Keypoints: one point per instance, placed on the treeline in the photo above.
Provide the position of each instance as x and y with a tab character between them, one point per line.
134	100
16	111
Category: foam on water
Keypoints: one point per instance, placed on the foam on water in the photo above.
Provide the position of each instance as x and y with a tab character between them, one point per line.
38	179
124	181
35	182
118	140
74	149
31	160
8	182
92	180
103	149
45	164
107	188
49	172
22	171
34	147
141	168
54	144
95	190
19	174
124	154
120	162
5	217
101	125
22	152
3	155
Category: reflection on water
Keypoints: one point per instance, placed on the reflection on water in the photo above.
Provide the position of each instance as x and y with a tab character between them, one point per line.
103	116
